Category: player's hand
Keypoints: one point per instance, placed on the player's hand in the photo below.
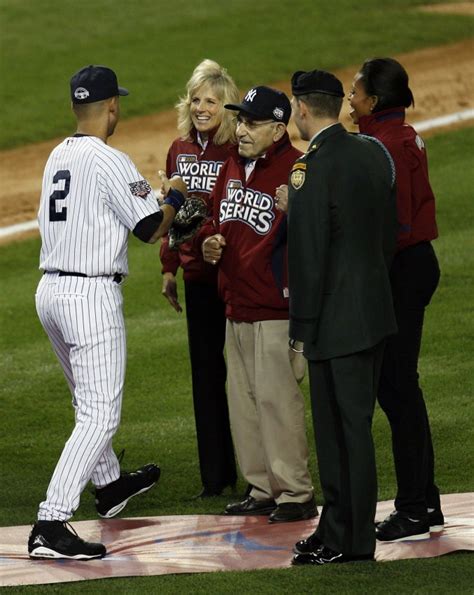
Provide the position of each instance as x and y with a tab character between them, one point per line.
170	291
212	248
165	184
179	184
281	198
175	182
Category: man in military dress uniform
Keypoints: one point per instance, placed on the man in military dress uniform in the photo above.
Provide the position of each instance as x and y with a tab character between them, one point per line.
341	228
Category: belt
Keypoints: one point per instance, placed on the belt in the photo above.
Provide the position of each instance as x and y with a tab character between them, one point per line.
117	277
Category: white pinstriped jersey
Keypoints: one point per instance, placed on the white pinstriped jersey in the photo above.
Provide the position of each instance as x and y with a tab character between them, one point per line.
92	196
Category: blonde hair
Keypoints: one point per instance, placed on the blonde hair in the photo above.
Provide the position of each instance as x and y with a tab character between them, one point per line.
212	74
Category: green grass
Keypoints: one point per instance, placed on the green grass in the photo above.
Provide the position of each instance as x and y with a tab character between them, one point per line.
154	44
429	577
158	422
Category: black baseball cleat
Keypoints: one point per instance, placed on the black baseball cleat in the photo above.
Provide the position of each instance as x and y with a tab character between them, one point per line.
400	526
327	556
57	539
113	498
310	545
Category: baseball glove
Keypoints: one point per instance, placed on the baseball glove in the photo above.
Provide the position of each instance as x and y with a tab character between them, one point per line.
188	220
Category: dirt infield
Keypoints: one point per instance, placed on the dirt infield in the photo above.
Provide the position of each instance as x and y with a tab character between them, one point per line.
451	8
442	80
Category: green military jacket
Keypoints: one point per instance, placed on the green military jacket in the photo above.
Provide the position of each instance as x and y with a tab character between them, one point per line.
341	239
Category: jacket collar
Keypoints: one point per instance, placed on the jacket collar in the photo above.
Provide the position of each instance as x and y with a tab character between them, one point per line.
321	136
394	116
210	136
279	147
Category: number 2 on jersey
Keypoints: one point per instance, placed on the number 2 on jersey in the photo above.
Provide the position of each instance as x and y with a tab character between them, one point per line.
54	215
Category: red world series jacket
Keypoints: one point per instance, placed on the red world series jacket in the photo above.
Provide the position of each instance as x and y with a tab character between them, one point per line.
415	198
253	269
199	169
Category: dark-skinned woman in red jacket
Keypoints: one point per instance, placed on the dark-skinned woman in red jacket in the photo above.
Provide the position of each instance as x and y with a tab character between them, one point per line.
379	98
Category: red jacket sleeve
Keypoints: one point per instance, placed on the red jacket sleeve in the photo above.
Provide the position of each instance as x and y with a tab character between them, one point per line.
403	166
211	225
169	258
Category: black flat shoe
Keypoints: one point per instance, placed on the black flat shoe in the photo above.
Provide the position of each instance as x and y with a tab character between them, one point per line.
399	526
213	492
207	493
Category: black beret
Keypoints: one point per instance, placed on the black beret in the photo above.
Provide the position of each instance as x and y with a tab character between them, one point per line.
316	81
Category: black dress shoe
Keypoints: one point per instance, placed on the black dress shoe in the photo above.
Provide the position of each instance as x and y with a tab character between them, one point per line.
251	506
294	511
436	520
207	493
248	489
308	546
327	556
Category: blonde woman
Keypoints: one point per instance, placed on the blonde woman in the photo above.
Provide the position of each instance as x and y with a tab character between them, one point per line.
207	136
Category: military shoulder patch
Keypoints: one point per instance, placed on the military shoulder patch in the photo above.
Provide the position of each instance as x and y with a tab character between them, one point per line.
298	165
141	189
298	175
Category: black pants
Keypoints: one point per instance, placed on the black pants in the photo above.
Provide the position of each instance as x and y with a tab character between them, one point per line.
414	277
206	334
343	393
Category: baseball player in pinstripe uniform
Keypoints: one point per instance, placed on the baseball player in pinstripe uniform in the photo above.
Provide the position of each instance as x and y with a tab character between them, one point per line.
92	197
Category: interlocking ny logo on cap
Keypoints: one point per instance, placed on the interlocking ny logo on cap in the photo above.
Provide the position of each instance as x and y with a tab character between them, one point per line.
250	95
81	93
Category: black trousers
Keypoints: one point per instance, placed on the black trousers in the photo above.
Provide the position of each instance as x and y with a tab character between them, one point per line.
206	335
414	277
343	394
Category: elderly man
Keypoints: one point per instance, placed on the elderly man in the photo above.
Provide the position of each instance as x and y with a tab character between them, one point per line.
247	238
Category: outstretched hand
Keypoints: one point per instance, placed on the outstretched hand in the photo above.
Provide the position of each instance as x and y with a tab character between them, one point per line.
175	182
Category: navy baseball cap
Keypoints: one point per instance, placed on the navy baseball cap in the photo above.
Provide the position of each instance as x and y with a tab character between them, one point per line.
264	103
94	83
316	81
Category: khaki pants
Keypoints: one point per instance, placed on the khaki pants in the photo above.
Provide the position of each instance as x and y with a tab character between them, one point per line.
267	411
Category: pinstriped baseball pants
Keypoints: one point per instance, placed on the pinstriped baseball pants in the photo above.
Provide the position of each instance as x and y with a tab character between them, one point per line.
84	321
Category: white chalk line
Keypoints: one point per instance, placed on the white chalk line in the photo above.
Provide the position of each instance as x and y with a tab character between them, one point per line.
420	127
467	114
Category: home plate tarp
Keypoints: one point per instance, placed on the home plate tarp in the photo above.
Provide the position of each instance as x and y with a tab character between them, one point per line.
205	543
